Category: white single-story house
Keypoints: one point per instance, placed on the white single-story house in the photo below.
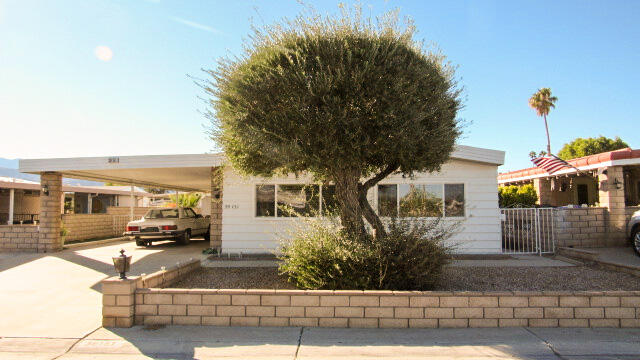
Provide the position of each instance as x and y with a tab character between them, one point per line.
246	215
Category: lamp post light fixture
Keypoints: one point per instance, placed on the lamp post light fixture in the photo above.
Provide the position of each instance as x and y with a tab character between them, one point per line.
45	190
122	264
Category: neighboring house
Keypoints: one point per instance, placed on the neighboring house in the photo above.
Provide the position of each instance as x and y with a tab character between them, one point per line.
607	190
245	214
568	187
25	197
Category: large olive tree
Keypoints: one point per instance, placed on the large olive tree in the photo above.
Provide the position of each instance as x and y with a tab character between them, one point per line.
345	99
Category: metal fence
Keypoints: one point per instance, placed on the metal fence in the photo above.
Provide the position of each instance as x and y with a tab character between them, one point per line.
528	230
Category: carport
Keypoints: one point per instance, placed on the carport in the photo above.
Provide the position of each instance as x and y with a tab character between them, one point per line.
186	172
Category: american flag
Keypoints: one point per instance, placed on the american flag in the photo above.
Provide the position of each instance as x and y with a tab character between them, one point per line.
550	163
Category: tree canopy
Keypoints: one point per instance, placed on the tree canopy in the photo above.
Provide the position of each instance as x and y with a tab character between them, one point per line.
344	98
580	147
542	102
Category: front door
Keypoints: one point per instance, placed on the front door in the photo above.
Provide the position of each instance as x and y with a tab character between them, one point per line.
583	194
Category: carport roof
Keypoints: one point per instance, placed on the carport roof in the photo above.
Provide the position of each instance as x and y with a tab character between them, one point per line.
185	172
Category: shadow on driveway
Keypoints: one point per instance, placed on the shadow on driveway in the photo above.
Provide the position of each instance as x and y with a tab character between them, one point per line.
58	294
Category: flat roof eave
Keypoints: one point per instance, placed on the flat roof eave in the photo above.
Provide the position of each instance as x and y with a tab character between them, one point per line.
184	172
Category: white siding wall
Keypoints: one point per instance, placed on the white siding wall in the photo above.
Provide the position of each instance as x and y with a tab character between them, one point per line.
243	232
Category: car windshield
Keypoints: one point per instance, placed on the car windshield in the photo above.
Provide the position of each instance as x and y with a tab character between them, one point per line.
162	214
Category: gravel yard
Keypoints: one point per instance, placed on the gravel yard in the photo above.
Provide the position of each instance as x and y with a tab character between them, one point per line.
575	278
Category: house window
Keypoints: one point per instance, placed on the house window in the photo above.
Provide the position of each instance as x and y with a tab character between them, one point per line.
292	200
265	200
453	200
421	200
388	200
329	201
298	200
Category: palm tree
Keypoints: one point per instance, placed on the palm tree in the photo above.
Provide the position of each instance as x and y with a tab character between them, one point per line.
186	200
542	102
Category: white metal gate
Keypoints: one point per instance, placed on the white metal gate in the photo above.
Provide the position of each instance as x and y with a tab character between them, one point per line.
528	230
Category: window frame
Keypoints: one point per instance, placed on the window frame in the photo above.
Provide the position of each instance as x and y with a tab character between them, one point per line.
375	199
275	214
441	183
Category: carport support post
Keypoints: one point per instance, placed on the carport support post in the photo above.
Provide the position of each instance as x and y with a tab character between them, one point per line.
131	204
49	238
12	194
215	239
611	195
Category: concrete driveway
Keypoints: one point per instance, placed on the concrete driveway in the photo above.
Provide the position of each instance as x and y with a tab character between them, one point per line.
58	295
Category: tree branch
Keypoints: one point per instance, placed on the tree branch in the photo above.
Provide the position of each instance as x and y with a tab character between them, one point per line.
381	175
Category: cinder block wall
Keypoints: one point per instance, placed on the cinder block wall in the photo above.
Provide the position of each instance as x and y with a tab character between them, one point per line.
584	227
138	212
18	238
137	301
89	226
386	309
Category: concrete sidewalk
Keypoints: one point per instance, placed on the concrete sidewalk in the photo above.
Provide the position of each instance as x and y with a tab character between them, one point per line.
201	342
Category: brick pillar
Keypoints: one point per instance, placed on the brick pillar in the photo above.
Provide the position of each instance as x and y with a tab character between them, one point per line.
217	176
612	197
50	208
118	301
543	189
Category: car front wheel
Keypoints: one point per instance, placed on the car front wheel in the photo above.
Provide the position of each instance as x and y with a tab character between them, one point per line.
635	240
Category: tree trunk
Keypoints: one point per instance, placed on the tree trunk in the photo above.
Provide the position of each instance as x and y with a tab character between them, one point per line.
370	214
548	139
353	203
351	216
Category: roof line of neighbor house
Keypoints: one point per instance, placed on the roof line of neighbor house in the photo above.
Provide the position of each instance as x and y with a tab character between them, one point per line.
626	156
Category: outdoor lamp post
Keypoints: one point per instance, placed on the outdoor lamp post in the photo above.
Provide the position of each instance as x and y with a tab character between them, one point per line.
122	264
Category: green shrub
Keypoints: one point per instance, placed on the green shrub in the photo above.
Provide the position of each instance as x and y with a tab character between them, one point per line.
411	256
320	256
517	196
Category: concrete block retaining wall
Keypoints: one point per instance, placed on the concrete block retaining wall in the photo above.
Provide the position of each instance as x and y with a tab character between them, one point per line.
118	296
133	301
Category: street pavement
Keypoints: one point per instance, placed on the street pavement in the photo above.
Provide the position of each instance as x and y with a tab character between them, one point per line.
205	342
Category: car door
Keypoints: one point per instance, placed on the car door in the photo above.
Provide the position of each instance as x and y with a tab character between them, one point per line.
190	219
187	221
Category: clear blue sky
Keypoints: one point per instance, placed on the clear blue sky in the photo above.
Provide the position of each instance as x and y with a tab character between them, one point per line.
58	99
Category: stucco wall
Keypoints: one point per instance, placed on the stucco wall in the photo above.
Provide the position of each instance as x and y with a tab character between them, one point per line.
243	232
